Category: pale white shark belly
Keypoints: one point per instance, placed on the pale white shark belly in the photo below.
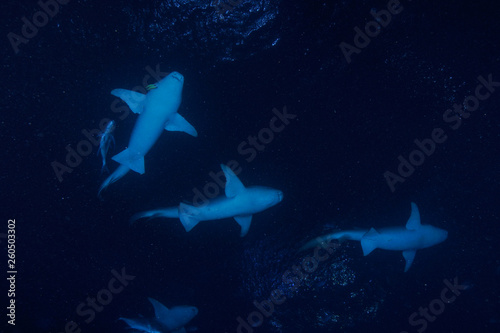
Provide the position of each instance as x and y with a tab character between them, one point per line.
147	130
152	121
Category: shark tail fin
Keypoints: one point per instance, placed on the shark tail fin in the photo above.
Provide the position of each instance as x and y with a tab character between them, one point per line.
323	240
170	212
187	215
340	236
368	242
312	243
117	174
132	160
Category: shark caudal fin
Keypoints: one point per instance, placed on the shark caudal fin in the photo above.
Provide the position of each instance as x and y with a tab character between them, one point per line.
132	160
134	100
178	124
188	216
117	174
313	243
341	236
368	242
170	212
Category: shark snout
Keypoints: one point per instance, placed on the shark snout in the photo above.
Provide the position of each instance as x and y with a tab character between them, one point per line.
441	235
178	76
280	196
445	235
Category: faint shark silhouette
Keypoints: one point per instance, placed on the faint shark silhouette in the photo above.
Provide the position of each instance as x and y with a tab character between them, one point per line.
165	320
409	239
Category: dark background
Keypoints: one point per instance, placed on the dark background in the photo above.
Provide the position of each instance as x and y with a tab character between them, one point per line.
353	121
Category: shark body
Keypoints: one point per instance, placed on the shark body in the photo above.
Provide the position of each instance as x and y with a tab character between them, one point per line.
414	236
157	112
240	203
165	320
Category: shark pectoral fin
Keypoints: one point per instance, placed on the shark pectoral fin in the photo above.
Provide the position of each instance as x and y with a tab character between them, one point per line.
187	215
117	174
409	256
124	319
233	184
130	159
170	212
414	220
368	241
178	124
134	100
318	241
244	221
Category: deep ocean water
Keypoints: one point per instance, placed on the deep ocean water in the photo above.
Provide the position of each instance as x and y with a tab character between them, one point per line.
366	85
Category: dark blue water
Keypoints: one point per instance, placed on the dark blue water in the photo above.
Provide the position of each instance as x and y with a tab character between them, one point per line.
351	122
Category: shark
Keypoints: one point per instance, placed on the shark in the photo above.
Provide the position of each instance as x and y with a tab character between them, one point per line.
165	320
157	111
239	202
408	239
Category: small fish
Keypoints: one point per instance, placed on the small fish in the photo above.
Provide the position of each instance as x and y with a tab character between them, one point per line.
106	140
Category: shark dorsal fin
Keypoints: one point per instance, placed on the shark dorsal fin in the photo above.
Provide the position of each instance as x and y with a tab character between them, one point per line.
161	311
414	220
233	184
